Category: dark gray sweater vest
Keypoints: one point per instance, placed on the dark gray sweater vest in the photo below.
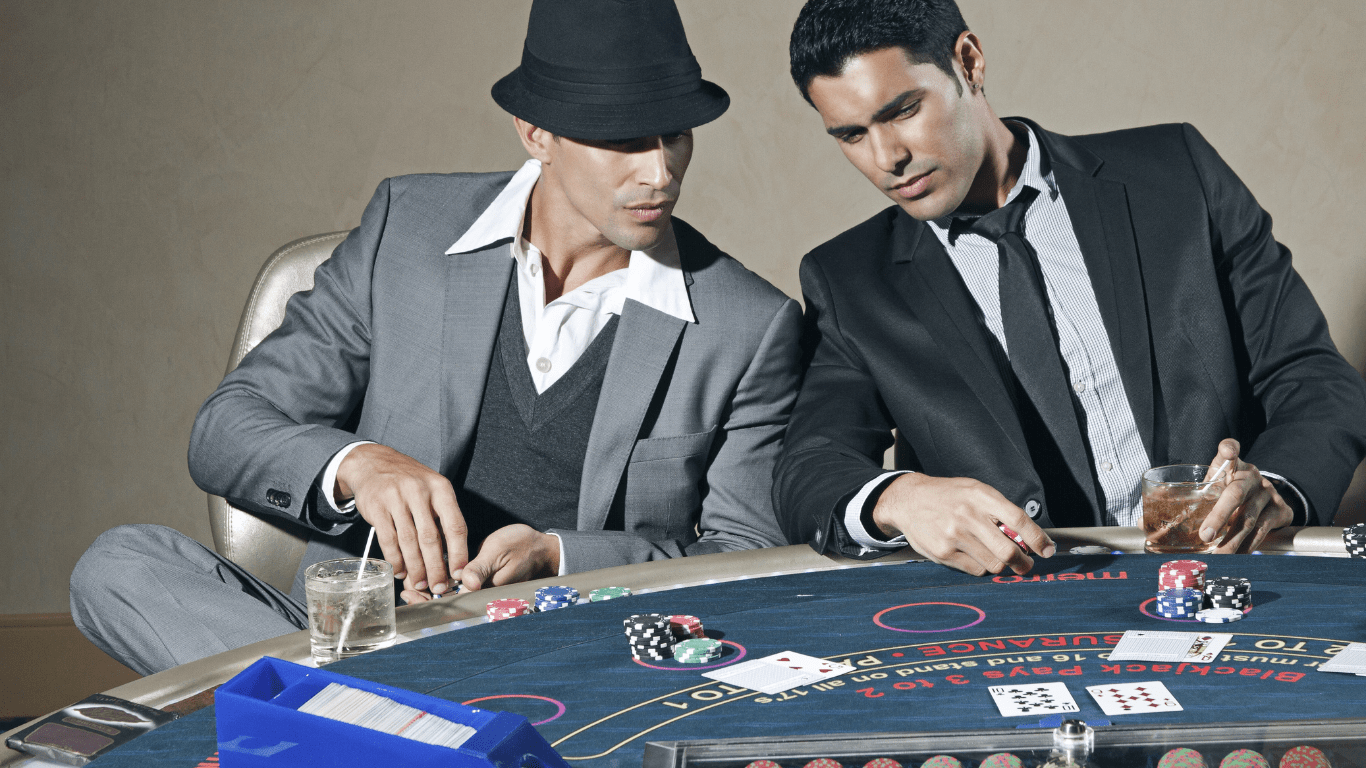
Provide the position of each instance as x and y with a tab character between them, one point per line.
527	460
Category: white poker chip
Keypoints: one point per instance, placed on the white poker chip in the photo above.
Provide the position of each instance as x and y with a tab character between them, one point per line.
1090	550
1219	615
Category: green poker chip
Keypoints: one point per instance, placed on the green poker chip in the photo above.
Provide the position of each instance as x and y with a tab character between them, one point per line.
608	593
697	651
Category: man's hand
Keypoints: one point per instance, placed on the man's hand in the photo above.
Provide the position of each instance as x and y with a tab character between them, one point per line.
1248	508
952	521
411	508
511	554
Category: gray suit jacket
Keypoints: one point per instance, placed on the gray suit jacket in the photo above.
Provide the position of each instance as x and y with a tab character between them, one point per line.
393	345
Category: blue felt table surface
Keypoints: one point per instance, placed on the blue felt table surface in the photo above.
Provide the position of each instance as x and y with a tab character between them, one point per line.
917	672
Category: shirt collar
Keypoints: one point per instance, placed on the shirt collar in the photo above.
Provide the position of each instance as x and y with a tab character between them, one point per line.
653	278
502	220
1034	174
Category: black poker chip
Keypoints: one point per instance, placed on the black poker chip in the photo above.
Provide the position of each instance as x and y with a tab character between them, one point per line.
1354	537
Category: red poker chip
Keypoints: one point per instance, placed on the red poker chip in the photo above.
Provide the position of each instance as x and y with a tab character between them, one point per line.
823	762
686	626
1015	537
1184	566
507	608
1304	757
763	764
885	762
943	761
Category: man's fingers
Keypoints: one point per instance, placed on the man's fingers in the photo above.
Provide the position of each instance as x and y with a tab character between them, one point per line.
1234	495
388	542
413	597
995	551
1228	451
429	542
961	561
453	527
407	539
1244	523
1038	540
477	572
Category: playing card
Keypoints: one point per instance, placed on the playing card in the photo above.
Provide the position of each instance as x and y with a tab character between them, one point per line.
1037	699
779	672
1134	698
1174	647
1351	659
802	662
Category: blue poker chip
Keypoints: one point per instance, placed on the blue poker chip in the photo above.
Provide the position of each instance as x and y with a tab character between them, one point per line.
1178	593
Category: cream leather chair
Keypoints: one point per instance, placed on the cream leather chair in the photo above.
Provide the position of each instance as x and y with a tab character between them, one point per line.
270	550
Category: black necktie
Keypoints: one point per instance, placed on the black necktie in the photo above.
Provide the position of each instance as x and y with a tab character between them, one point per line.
1031	341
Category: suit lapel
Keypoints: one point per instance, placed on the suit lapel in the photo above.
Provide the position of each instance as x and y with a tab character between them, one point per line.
476	287
644	343
935	294
1099	210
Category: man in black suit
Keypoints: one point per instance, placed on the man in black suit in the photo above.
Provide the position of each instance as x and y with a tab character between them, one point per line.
1041	318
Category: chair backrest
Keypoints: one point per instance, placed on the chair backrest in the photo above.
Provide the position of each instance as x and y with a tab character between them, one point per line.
269	549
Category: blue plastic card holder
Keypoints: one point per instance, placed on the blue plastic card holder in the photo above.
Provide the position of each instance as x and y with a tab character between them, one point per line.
259	726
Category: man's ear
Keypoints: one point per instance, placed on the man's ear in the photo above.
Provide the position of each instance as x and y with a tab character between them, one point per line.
535	140
969	58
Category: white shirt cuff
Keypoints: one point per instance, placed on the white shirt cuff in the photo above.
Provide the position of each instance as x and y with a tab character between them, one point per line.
557	538
1304	503
853	517
329	481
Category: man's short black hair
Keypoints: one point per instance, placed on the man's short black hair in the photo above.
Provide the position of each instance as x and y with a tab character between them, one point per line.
829	33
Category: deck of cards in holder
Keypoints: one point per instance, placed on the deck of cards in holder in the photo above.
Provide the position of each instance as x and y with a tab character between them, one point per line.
276	714
369	710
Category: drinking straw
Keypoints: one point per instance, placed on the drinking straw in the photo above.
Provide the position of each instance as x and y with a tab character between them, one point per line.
351	607
1222	467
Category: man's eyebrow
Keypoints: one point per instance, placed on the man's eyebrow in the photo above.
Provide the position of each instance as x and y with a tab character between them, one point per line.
888	110
882	114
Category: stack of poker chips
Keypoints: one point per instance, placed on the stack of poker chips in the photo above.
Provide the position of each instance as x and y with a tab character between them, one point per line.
1182	574
650	636
1180	588
686	627
697	651
507	608
1355	539
608	593
1229	592
552	598
1179	603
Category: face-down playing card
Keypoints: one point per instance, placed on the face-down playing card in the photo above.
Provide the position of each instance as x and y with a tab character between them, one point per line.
1134	698
1038	699
779	672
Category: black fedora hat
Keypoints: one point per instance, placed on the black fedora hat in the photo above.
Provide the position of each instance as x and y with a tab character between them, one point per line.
608	69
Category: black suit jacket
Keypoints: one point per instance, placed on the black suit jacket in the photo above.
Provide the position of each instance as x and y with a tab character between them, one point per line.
1214	334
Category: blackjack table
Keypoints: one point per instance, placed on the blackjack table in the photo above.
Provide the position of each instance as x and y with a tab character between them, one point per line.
926	643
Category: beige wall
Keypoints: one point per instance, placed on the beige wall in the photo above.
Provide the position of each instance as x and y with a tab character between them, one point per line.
153	153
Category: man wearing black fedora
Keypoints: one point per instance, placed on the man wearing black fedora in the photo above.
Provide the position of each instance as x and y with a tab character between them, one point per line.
508	376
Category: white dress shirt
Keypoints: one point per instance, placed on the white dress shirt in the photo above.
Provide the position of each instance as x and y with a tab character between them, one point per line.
556	334
1083	343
